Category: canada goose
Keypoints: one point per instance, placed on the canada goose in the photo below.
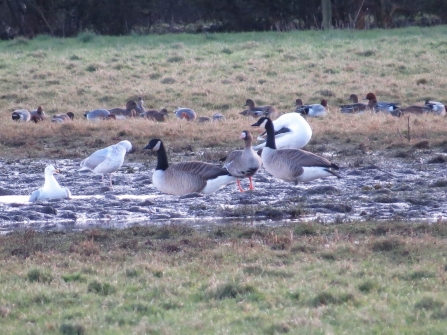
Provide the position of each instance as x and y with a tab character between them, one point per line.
314	110
292	165
155	115
354	107
107	160
186	177
435	107
382	106
97	114
258	111
121	113
185	113
38	115
21	115
51	188
243	163
62	118
291	131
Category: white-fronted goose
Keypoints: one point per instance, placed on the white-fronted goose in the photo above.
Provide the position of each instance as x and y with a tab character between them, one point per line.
187	177
21	115
382	106
313	110
107	160
258	111
62	118
291	131
131	110
292	165
38	115
187	114
243	163
51	188
153	114
355	106
435	107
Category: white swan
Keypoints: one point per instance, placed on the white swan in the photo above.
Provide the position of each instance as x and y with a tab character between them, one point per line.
291	132
51	188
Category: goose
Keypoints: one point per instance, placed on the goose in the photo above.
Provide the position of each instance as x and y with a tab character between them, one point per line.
243	163
291	131
292	165
355	106
203	119
140	104
258	111
155	115
435	107
51	188
382	106
414	110
107	160
186	177
21	115
130	110
38	115
314	110
98	114
218	117
62	118
185	113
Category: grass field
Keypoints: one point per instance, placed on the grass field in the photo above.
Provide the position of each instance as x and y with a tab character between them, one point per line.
215	73
350	278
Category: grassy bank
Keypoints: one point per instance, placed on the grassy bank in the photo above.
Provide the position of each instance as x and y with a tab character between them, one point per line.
215	73
305	278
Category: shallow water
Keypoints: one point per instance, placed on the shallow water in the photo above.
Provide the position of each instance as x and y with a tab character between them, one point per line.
373	187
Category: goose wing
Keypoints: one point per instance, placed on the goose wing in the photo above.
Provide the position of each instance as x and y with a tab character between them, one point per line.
203	170
301	158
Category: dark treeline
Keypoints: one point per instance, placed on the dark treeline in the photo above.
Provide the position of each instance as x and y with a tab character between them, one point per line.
120	17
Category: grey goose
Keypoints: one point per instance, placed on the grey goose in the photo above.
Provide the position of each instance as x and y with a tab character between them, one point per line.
292	165
243	163
186	177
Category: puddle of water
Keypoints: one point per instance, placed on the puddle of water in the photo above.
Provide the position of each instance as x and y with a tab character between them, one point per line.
23	199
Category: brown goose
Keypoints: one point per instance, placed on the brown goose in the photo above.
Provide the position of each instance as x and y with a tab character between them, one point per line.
292	165
38	115
258	111
153	114
243	163
130	111
355	107
187	177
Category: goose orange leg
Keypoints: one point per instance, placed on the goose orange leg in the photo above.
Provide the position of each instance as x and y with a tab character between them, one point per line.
239	185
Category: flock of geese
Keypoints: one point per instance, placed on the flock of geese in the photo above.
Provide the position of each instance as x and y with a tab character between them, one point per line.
281	155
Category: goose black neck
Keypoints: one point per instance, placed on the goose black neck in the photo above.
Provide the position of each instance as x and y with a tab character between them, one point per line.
162	158
270	135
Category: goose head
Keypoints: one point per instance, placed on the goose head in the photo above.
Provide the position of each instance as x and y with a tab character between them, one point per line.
262	122
370	96
246	136
154	144
164	111
249	103
298	102
70	115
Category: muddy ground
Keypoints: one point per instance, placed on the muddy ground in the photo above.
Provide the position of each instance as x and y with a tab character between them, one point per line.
403	184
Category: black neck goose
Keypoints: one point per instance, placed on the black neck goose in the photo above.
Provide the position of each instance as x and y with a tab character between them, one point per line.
186	177
243	163
292	165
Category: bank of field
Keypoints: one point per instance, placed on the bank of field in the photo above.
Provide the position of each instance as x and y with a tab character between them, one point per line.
358	278
217	73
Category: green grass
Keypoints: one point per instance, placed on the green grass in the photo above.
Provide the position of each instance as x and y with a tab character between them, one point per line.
226	279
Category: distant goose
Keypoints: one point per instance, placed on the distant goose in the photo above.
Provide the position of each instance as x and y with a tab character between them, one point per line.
185	113
38	115
298	105
215	117
258	111
131	110
435	107
414	110
291	131
382	106
51	188
97	114
314	110
155	115
187	177
218	117
62	118
292	165
107	160
203	119
355	107
140	104
243	163
21	115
